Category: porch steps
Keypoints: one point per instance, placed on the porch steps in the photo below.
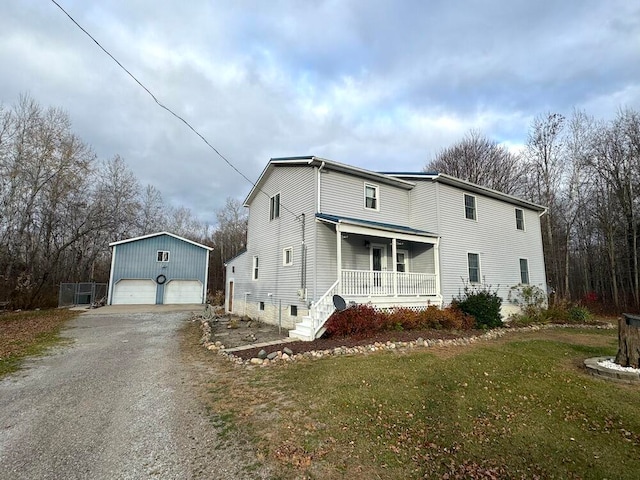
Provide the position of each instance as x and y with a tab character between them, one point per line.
304	330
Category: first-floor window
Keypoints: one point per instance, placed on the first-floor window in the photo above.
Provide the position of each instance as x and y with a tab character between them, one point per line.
524	271
287	256
162	256
255	268
473	261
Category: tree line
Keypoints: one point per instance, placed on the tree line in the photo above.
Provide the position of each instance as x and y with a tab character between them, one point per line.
586	172
61	206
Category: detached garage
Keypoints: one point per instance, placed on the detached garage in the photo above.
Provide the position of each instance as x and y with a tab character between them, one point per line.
160	268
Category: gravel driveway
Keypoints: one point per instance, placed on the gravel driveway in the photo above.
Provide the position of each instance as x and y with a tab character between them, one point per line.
118	403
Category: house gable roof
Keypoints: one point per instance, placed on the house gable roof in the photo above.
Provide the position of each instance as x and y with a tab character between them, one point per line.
468	186
151	235
312	161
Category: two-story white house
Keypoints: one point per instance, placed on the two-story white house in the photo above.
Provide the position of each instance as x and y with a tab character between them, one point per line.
318	228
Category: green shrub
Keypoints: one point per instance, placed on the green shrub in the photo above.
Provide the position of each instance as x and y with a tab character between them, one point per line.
579	314
482	303
532	301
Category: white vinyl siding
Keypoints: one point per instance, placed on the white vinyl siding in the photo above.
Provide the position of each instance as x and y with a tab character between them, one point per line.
342	194
493	236
473	266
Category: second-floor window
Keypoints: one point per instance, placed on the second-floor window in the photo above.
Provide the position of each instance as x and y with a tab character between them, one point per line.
371	196
469	207
519	219
274	207
162	256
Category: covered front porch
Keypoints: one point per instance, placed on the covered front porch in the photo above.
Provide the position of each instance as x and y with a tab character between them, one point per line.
387	266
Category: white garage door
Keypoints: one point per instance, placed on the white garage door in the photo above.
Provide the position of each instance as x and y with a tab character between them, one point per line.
183	291
134	292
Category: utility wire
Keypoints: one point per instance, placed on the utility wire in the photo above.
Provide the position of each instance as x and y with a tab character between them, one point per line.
163	106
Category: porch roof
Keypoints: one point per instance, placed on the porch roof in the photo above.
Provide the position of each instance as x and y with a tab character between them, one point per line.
335	219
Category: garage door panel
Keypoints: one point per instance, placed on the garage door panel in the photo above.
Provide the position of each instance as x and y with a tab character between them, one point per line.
134	292
183	291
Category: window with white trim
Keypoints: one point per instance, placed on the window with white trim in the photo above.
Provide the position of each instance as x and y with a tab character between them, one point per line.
255	268
519	219
473	263
469	207
287	256
524	271
162	256
274	207
294	311
371	196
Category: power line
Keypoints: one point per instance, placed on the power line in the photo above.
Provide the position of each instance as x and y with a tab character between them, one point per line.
163	106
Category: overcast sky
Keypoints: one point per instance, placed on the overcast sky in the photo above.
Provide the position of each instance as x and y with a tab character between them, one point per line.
378	84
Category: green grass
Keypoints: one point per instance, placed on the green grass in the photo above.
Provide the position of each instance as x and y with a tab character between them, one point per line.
25	334
513	409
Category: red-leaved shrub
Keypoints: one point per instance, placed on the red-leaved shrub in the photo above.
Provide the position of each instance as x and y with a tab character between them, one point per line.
363	320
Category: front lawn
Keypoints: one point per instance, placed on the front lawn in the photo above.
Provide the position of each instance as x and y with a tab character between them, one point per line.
28	333
519	407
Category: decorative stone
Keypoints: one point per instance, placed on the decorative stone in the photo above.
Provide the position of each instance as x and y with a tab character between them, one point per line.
272	355
285	356
255	361
288	351
262	354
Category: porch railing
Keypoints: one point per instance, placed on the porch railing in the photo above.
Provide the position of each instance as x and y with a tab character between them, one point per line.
323	308
366	283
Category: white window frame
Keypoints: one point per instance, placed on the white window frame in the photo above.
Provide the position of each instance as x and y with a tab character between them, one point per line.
274	206
520	260
475	207
469	269
521	219
404	252
163	256
255	268
376	196
289	251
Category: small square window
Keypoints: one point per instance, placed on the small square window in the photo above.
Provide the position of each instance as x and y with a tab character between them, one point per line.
261	305
524	271
255	268
233	269
371	197
294	310
274	207
287	256
473	261
162	256
470	207
519	219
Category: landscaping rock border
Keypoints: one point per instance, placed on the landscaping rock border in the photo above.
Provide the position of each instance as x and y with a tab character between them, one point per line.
594	368
286	355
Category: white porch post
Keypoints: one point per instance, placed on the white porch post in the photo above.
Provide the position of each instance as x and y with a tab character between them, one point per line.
436	262
394	255
339	252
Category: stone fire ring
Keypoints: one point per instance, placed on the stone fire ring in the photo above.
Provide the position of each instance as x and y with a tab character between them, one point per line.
613	375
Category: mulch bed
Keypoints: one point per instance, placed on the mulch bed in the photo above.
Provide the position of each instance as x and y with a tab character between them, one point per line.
381	337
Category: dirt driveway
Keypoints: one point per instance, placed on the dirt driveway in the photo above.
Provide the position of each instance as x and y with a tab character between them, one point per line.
120	402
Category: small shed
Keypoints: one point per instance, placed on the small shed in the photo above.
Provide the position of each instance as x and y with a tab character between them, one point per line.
159	268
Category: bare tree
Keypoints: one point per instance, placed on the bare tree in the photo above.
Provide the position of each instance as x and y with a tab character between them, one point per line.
480	160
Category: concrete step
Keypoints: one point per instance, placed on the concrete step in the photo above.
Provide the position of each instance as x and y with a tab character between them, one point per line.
303	330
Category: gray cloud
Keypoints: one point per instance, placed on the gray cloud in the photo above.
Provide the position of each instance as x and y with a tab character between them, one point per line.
384	85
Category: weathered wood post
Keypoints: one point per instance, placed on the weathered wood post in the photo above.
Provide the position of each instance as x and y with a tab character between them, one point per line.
628	341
